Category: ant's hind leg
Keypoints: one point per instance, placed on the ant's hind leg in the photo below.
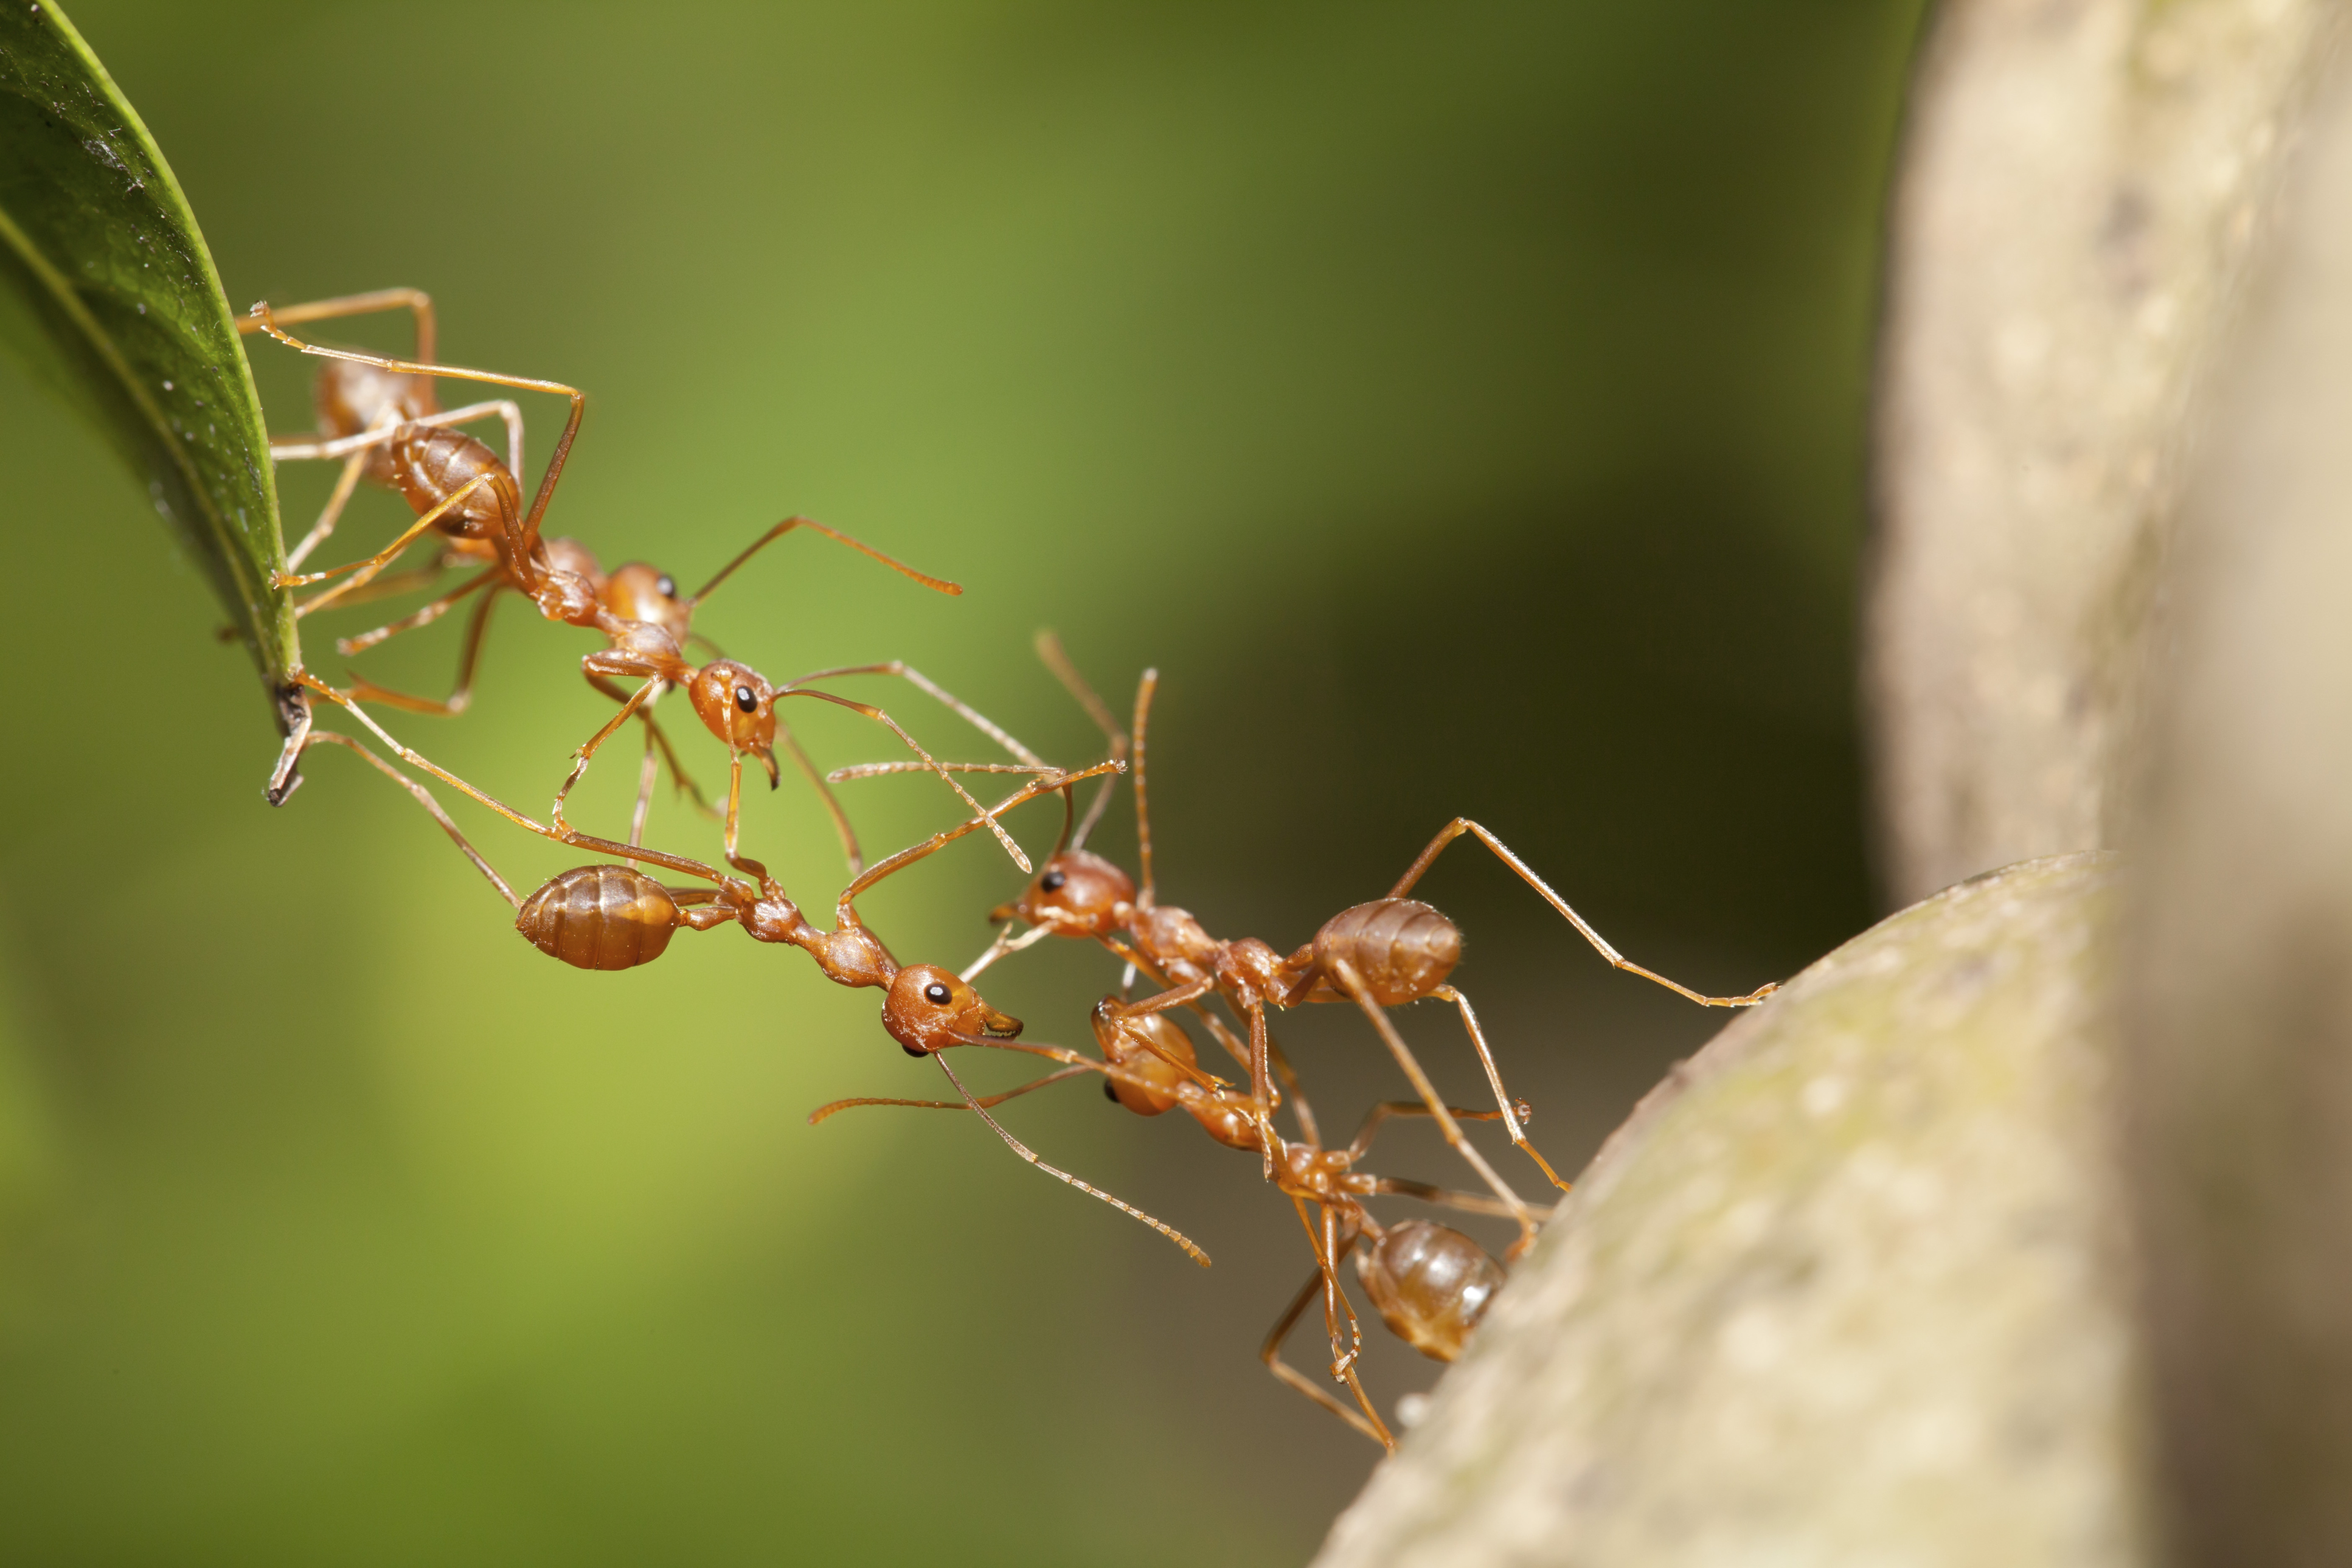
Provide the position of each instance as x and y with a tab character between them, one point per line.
364	571
462	696
1462	825
585	754
809	769
416	302
329	515
425	798
1503	1101
1352	984
523	538
1270	1353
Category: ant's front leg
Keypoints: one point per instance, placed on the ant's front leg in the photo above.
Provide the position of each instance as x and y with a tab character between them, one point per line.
605	662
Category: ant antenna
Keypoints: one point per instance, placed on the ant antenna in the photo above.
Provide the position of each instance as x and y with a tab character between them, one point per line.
1143	690
1023	1150
1048	644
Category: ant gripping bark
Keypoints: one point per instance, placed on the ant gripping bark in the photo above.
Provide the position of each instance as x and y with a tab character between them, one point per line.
1430	1282
1377	955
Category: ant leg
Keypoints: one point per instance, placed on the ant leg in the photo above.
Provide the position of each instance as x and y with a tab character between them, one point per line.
1143	693
842	830
415	300
585	754
424	798
1299	1107
1270	1353
987	1102
921	682
1023	1150
392	584
1462	825
734	817
656	737
1050	653
1353	984
1336	1308
412	622
524	540
560	834
940	840
1261	1087
877	715
1380	1114
1495	1078
345	483
362	571
647	772
1468	1203
462	696
938	584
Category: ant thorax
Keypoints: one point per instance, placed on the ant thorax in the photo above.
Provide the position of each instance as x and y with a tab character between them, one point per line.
1170	935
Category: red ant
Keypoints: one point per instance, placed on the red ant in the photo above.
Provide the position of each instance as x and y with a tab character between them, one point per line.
1379	955
613	917
380	415
1430	1282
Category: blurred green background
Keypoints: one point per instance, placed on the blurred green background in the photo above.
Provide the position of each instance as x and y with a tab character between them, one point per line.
1461	405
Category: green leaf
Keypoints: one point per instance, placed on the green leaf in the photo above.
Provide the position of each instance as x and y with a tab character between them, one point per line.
111	300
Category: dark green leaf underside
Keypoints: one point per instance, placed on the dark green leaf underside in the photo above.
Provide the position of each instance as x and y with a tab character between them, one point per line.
110	300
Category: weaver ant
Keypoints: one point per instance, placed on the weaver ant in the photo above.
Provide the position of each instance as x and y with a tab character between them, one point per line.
614	917
1378	956
379	415
1430	1282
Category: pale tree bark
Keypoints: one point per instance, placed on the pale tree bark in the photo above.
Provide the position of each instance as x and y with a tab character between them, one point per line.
2019	1229
2239	1019
2082	181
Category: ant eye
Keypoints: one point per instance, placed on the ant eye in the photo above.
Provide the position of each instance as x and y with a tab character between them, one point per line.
1052	881
665	586
1110	1091
937	994
745	700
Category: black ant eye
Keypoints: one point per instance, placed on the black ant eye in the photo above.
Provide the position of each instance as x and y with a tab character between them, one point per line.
665	586
937	994
1110	1091
745	700
1052	881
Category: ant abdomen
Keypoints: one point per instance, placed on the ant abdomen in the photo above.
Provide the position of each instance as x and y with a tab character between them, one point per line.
352	396
1431	1283
430	463
1401	948
600	917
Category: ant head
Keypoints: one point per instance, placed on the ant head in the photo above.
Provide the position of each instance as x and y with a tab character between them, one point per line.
930	1009
739	706
1130	1043
1431	1283
1078	894
637	591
